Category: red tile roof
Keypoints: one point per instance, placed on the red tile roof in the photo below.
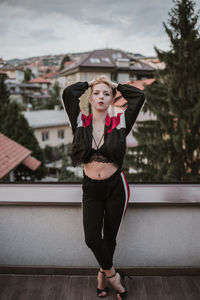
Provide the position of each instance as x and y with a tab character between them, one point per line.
138	83
50	75
67	63
3	74
39	80
11	155
31	163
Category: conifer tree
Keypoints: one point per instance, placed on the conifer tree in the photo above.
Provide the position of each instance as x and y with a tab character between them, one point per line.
65	58
28	75
169	147
4	92
54	98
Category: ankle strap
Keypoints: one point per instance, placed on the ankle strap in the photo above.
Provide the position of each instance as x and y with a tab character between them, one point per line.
112	275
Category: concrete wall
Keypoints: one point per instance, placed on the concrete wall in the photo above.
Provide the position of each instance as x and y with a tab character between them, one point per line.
51	234
54	140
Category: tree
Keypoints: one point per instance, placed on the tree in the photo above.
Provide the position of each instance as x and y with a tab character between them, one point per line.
54	98
47	70
65	174
28	75
4	92
168	147
65	58
48	152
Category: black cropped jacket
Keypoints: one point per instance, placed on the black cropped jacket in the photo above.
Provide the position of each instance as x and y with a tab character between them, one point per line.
115	130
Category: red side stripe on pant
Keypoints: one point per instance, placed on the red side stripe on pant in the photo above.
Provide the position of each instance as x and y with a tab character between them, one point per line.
126	186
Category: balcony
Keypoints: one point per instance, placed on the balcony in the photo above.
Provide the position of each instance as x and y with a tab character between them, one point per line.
43	254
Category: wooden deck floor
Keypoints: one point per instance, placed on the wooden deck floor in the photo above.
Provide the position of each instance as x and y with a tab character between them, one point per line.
63	287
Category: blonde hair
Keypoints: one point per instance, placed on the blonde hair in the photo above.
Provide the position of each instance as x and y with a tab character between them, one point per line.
103	80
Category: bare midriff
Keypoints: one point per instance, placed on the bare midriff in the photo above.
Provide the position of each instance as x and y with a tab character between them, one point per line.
98	170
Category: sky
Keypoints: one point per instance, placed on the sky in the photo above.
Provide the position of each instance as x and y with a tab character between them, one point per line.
34	27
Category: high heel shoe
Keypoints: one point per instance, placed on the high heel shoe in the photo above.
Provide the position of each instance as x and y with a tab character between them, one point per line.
122	276
100	291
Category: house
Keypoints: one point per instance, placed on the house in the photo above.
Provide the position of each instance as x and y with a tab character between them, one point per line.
15	74
153	62
34	68
12	155
27	93
116	64
51	127
54	77
3	74
43	82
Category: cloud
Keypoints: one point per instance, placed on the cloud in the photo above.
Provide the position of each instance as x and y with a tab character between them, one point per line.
37	27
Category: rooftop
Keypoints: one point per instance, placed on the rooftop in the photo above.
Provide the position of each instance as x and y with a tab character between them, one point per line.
121	101
50	75
39	80
46	118
12	154
106	58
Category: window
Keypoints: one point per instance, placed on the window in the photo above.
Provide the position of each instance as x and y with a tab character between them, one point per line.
61	134
106	59
94	60
45	135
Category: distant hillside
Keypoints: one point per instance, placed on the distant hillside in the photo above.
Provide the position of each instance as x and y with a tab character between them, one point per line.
49	60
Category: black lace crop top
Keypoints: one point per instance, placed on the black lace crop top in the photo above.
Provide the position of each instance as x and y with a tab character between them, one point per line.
95	154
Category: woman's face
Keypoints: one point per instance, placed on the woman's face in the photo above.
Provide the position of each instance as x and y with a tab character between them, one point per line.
101	97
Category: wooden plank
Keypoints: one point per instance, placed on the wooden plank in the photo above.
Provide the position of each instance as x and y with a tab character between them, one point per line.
154	288
34	286
65	288
196	281
6	282
56	284
47	287
172	288
190	289
91	287
136	288
15	287
78	288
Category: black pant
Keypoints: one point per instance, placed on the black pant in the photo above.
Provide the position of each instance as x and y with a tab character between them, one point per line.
104	205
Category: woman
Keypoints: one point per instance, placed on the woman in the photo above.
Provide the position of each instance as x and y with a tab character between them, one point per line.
100	143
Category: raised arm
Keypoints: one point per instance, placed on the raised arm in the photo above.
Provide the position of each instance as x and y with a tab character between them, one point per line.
135	98
70	100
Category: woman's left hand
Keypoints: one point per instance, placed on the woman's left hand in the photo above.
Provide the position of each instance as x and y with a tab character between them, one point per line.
91	82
